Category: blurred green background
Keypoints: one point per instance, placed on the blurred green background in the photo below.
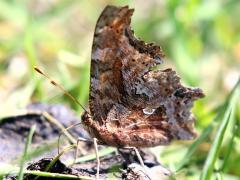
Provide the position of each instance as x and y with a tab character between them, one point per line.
201	40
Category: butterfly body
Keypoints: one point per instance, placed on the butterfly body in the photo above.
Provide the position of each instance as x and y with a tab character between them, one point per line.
131	104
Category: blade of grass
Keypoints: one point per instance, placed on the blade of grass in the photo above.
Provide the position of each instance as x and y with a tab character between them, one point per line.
92	156
29	48
215	148
214	151
53	162
11	170
194	147
27	146
30	52
208	130
56	175
230	145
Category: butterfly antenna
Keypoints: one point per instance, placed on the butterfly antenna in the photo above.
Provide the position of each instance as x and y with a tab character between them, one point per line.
60	87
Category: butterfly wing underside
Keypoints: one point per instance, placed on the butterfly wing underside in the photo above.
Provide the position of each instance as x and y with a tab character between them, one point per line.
106	81
127	94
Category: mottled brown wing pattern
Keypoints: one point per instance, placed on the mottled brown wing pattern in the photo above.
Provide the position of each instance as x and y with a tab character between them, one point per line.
165	117
131	104
106	78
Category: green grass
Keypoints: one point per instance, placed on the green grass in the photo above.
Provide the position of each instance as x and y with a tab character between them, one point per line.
201	41
213	154
26	149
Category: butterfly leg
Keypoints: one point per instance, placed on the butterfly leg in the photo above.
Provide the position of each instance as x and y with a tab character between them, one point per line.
97	157
80	139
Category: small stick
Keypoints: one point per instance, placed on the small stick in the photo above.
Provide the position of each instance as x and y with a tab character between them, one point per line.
97	157
138	155
139	159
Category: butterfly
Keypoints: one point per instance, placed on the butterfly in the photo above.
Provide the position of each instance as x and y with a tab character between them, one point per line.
131	104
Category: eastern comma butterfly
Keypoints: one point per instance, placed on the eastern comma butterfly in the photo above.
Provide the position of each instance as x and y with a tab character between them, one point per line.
132	105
